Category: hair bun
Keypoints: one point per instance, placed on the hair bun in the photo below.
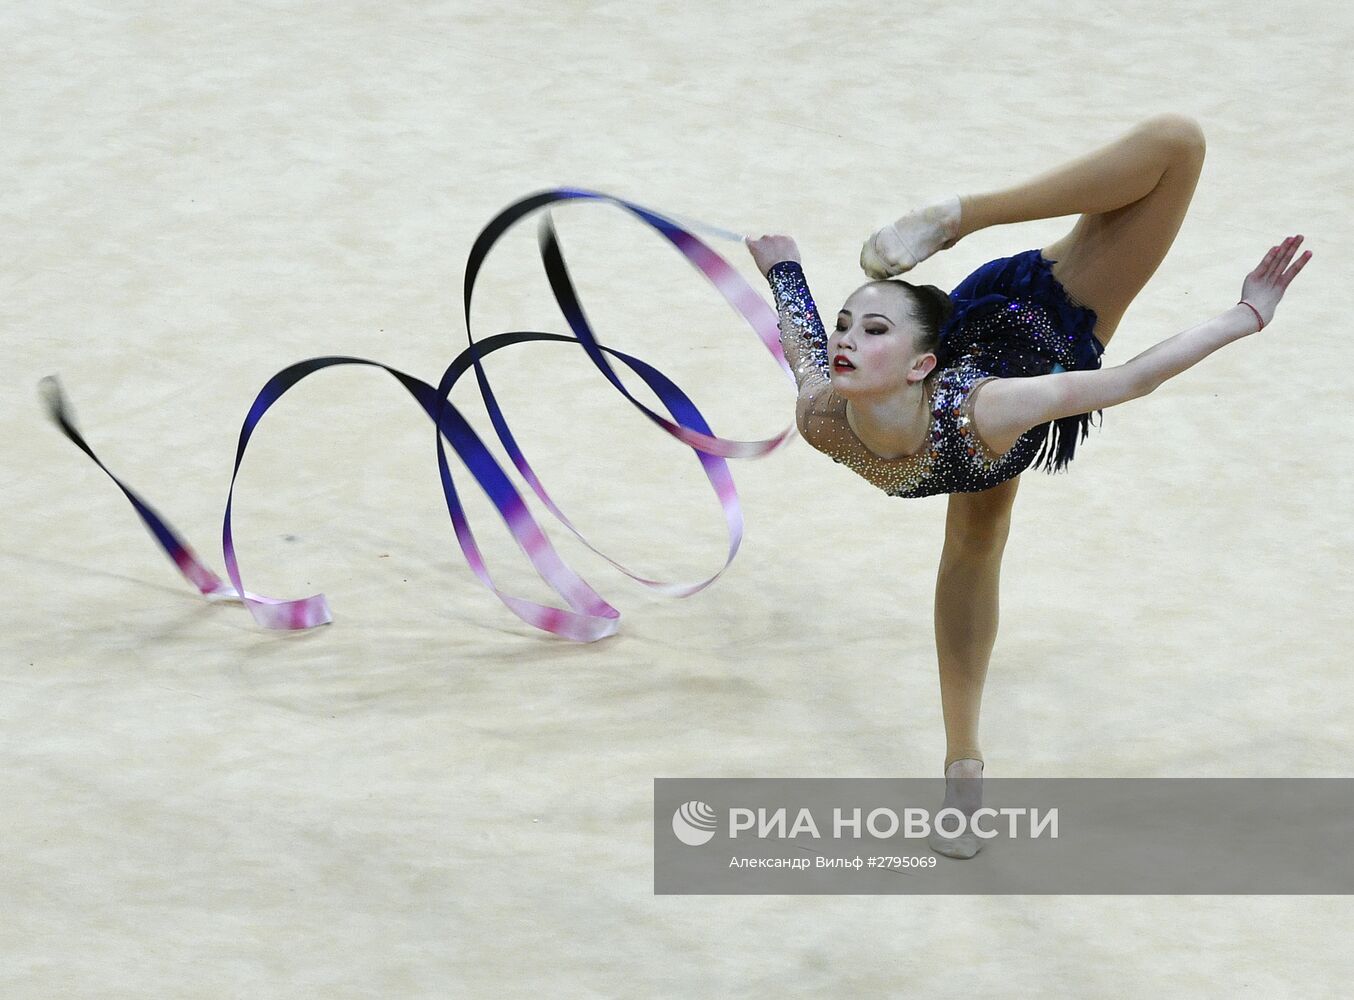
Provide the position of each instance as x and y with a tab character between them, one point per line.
944	305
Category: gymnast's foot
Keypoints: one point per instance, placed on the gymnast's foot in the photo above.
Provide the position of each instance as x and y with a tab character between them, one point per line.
904	244
963	791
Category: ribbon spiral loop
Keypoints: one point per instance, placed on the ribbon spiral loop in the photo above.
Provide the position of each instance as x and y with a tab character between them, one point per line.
588	616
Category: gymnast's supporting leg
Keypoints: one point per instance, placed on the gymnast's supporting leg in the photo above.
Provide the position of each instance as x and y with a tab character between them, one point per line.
966	617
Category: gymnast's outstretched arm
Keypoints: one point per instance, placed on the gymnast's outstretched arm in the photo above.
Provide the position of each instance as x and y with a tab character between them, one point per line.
1007	407
819	410
802	335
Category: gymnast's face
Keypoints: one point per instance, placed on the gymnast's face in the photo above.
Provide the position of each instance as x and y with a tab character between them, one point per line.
873	350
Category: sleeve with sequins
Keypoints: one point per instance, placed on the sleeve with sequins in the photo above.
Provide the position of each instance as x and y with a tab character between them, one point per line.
802	336
820	413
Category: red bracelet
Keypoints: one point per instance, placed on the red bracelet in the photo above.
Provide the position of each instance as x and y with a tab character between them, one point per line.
1252	308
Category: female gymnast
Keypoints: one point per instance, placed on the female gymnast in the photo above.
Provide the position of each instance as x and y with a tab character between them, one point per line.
893	392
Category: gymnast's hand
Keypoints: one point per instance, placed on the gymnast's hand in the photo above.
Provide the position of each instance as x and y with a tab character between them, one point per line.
1264	286
771	250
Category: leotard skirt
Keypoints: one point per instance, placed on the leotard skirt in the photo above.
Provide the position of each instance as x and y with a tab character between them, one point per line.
1013	318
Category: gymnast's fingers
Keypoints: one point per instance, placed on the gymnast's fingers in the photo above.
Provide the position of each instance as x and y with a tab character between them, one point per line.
1287	278
1290	247
1266	266
1272	265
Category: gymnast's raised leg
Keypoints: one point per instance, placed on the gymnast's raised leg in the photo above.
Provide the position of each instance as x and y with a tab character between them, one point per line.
1132	195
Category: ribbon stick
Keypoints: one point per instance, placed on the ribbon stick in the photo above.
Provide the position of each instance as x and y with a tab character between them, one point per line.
588	617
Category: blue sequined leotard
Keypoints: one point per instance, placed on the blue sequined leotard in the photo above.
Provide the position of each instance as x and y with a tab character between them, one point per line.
1012	319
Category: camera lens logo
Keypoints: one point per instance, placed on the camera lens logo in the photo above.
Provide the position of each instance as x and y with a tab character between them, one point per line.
694	823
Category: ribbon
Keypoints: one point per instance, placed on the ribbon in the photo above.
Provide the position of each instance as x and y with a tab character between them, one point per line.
588	617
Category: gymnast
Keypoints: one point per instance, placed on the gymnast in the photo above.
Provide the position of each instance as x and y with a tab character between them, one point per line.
893	393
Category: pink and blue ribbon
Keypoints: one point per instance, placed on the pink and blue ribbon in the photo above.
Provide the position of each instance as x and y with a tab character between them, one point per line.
588	616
